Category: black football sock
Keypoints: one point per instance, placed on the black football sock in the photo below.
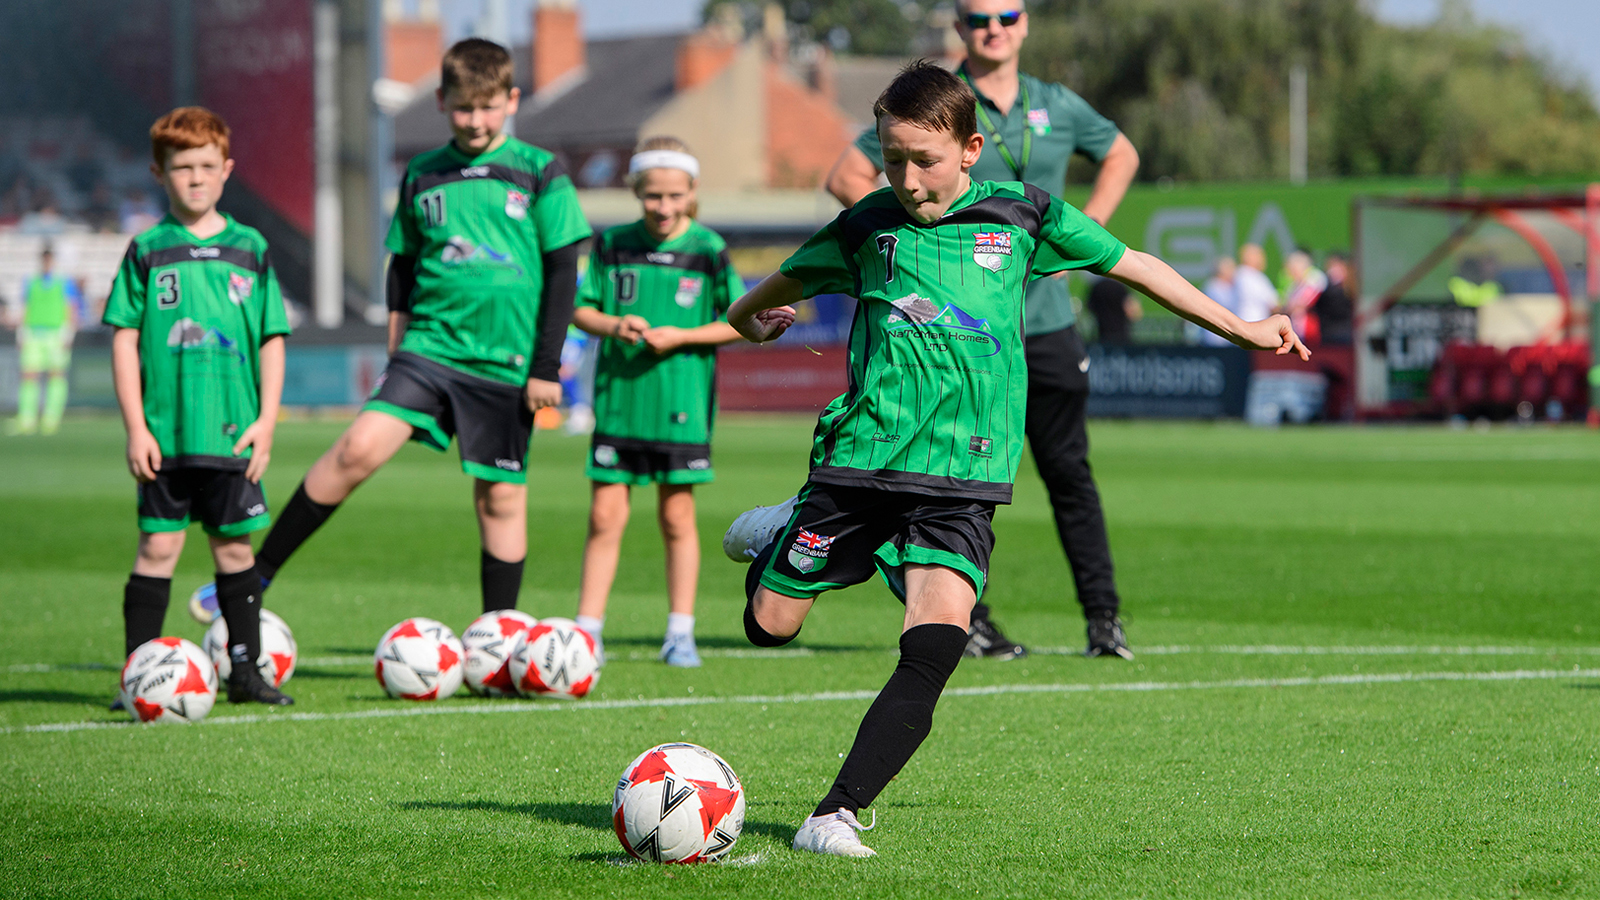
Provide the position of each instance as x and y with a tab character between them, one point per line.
501	582
298	521
144	608
239	598
980	611
898	721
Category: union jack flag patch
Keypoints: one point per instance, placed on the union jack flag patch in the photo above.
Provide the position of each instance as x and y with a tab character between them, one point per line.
813	541
240	287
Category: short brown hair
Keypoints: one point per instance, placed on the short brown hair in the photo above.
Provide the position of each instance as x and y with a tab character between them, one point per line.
186	128
929	96
476	69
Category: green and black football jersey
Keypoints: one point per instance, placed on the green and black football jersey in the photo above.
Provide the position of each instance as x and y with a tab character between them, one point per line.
686	282
203	309
938	380
478	227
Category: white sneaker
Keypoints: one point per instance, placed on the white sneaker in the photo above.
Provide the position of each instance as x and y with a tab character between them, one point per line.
835	834
755	529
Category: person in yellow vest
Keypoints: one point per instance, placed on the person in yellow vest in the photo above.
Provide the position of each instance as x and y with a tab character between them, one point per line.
51	306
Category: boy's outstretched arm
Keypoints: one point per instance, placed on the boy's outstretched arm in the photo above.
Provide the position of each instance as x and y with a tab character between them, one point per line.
144	451
1158	280
767	311
258	437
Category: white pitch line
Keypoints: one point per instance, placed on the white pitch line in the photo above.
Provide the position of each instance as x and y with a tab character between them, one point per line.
395	712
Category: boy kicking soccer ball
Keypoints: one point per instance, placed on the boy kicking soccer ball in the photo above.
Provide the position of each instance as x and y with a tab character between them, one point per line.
909	463
656	293
197	360
480	293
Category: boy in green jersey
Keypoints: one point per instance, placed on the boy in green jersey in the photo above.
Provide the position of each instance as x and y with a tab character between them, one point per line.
480	294
909	463
656	293
51	307
197	360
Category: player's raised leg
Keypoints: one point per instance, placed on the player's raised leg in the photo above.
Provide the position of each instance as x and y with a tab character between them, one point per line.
938	606
608	518
681	536
502	509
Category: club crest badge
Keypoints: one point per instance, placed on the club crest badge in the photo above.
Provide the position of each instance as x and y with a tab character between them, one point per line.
605	456
809	553
992	249
517	205
689	287
240	287
1039	121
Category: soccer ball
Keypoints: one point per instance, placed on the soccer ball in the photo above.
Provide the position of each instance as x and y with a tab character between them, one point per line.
168	680
278	650
419	659
678	803
554	658
489	641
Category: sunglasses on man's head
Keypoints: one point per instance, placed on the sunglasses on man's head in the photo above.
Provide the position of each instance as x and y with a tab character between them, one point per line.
980	21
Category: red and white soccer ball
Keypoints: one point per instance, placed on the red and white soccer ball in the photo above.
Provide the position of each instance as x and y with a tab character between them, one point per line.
554	658
419	659
278	650
168	679
678	803
489	641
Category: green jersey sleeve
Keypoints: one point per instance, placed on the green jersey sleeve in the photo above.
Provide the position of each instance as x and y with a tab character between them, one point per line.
125	306
1093	132
822	265
274	318
1068	239
591	292
404	239
867	142
556	214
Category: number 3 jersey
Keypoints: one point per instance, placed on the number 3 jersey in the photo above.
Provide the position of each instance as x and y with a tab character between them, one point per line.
685	282
203	308
937	376
478	227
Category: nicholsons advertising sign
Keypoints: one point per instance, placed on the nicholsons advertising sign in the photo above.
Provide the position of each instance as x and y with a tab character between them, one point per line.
1176	382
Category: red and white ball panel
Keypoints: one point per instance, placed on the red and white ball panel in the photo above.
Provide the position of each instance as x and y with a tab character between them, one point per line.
278	649
488	642
554	658
419	659
678	803
168	679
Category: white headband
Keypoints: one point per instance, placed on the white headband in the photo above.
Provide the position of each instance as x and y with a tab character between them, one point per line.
664	159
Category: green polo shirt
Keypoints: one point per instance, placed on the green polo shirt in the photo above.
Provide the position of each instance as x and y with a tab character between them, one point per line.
1063	123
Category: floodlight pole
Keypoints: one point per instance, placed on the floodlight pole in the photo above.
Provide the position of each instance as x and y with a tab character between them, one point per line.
1299	140
327	257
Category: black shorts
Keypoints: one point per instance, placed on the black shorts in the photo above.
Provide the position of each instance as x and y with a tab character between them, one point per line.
838	536
625	461
230	505
490	419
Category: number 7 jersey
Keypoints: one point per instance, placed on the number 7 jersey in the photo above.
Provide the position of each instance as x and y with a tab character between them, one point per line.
938	380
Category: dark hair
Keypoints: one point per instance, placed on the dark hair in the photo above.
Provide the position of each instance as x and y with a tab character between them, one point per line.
929	96
476	69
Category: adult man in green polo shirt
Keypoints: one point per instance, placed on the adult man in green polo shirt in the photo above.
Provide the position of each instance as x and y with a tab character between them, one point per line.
51	308
1032	129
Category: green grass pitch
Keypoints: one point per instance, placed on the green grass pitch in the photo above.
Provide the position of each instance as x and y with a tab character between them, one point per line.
1368	666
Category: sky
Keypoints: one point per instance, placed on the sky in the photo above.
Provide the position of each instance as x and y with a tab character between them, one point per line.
1567	30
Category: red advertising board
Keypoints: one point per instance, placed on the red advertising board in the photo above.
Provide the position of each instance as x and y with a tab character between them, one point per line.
772	378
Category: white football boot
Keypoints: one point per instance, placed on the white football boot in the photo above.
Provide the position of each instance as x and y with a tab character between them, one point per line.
755	529
835	834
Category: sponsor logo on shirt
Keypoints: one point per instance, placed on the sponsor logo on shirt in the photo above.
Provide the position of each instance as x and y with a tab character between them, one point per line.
809	553
462	253
205	252
946	329
992	249
980	446
474	171
660	259
517	205
189	336
1039	121
689	287
240	287
605	455
885	438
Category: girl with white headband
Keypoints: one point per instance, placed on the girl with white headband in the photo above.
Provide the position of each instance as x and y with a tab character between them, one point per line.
657	293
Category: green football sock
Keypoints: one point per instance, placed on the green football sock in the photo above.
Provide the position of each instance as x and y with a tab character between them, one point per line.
28	404
55	402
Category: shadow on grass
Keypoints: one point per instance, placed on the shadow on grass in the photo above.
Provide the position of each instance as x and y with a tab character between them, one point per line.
732	643
330	673
1585	686
55	697
587	815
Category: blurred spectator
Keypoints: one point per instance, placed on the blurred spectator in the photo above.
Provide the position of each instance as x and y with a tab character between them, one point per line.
1306	284
85	171
52	307
1115	309
1253	290
1219	287
101	213
1336	309
45	219
137	213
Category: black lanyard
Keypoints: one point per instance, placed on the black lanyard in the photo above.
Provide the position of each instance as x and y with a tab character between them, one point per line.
994	133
